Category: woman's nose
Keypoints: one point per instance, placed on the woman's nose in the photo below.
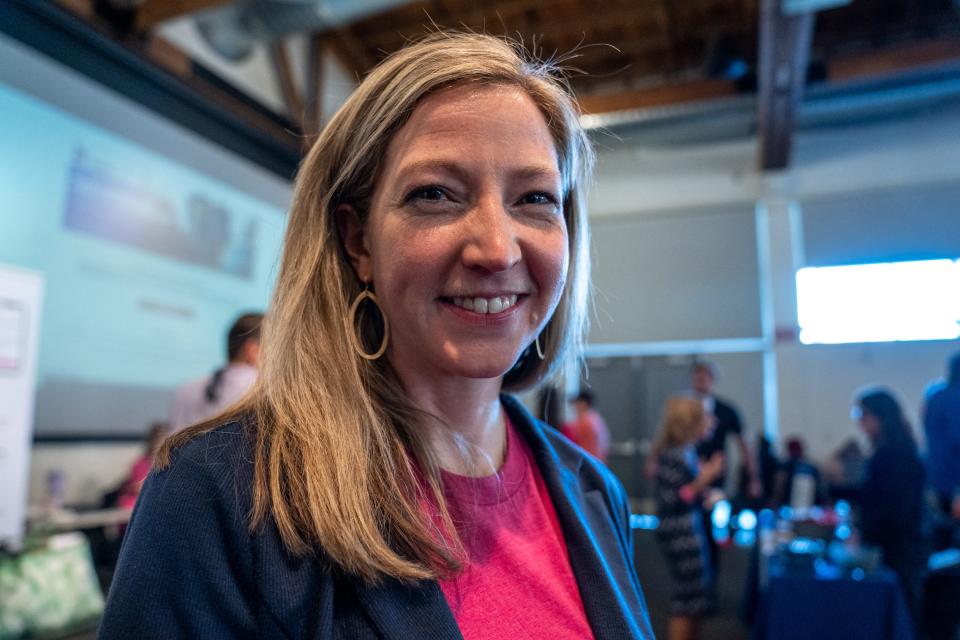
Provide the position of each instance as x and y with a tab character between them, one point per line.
492	243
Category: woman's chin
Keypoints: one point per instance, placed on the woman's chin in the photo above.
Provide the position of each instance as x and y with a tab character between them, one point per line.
481	368
485	372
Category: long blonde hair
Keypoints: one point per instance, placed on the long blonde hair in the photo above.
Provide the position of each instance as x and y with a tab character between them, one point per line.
339	464
682	424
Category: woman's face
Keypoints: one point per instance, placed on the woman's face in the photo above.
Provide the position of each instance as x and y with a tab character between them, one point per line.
465	243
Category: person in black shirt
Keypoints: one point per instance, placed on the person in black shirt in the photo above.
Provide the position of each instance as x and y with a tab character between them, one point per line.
703	378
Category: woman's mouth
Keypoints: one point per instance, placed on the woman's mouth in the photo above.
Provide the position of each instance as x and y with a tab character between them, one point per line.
496	304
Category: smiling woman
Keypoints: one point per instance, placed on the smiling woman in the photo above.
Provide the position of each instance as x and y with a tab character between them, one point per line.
376	482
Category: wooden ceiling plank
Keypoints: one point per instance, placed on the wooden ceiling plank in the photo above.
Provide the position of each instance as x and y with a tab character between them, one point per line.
659	96
153	12
784	52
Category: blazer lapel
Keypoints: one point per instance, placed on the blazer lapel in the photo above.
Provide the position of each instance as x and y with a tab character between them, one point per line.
602	566
402	612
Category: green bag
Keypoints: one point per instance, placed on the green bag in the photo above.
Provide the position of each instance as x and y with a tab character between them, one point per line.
49	588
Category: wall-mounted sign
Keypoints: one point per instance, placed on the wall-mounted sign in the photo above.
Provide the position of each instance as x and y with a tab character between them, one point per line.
20	297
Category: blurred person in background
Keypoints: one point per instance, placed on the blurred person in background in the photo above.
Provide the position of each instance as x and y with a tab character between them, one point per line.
941	422
703	378
768	468
207	396
798	481
843	470
588	428
891	495
682	482
130	490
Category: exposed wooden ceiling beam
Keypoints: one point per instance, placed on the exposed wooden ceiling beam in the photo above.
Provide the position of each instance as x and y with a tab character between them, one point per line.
80	8
657	96
168	56
153	12
782	68
899	58
313	100
283	72
669	15
349	50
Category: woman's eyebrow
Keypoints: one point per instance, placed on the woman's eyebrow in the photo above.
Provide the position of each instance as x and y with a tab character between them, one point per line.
535	172
459	171
432	164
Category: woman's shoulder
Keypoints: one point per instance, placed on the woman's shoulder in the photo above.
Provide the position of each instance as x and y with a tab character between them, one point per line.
228	441
208	465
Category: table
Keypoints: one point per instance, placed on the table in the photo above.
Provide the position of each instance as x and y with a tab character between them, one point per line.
73	520
49	587
802	606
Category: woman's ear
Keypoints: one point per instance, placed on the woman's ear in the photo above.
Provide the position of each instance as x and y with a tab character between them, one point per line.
354	239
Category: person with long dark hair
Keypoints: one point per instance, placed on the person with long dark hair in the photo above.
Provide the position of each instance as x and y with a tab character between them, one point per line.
205	397
891	494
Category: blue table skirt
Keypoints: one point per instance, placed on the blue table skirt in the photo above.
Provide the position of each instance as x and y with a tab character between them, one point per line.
805	607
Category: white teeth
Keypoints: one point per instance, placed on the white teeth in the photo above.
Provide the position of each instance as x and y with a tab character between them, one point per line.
497	304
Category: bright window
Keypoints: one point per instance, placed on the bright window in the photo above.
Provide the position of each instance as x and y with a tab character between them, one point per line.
879	302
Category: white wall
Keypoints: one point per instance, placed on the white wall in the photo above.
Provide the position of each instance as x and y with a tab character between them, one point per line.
701	284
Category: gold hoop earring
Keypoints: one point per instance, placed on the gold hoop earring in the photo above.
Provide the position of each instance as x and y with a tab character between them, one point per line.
539	350
355	339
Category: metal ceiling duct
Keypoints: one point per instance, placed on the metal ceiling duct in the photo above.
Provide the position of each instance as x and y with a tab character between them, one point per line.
234	30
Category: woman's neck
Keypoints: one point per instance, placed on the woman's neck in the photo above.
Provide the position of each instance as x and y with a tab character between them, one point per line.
465	428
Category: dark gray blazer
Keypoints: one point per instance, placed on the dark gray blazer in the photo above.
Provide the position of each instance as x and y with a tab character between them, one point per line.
189	567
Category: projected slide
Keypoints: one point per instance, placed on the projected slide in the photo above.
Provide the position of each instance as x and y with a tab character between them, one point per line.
110	201
146	264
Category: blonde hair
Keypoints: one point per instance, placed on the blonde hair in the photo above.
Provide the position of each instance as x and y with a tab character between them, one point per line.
682	424
339	465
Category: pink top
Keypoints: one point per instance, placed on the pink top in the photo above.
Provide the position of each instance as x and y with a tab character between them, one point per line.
518	583
590	432
139	473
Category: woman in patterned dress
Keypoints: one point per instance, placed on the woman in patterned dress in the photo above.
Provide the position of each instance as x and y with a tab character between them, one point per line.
681	483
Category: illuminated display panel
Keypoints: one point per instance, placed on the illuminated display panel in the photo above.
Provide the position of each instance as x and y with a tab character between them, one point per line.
885	302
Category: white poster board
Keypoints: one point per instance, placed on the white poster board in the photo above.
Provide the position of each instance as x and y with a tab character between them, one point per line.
21	294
